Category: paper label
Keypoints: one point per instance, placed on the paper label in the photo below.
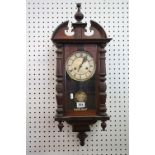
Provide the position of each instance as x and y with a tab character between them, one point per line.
80	104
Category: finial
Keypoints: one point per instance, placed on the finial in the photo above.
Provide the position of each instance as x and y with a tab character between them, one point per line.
79	16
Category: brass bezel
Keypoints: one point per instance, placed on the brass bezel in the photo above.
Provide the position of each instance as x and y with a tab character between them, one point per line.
77	98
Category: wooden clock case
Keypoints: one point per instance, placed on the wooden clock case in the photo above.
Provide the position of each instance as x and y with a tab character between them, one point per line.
66	45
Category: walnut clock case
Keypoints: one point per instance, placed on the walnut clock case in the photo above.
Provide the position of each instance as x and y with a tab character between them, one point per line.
81	71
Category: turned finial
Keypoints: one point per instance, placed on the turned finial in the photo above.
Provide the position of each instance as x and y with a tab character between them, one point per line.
79	16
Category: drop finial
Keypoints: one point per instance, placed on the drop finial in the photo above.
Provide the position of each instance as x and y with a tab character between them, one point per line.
79	16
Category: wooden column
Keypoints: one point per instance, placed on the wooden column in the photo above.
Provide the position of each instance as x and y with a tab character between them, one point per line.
59	86
102	85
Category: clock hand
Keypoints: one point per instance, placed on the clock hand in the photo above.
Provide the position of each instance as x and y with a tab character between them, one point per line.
84	60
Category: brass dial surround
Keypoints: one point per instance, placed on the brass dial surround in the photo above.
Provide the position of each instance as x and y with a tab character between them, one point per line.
80	66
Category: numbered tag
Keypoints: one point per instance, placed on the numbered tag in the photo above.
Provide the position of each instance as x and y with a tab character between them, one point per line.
80	104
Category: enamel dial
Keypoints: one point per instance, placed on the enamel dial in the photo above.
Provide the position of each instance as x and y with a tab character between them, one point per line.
80	66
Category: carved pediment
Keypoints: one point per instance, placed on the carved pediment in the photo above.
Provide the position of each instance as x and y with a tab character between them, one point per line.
75	32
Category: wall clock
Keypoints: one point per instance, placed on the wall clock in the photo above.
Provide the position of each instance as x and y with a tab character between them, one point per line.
80	71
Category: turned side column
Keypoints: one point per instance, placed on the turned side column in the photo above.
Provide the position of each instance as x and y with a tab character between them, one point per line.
59	86
102	85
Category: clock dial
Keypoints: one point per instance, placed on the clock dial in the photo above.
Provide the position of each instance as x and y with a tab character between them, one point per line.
80	66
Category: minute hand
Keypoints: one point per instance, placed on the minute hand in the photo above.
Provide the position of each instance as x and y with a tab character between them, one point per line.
84	60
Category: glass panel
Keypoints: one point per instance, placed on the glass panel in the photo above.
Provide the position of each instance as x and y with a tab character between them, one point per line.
87	87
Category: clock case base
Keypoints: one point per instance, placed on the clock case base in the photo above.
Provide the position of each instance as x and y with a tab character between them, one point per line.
81	124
